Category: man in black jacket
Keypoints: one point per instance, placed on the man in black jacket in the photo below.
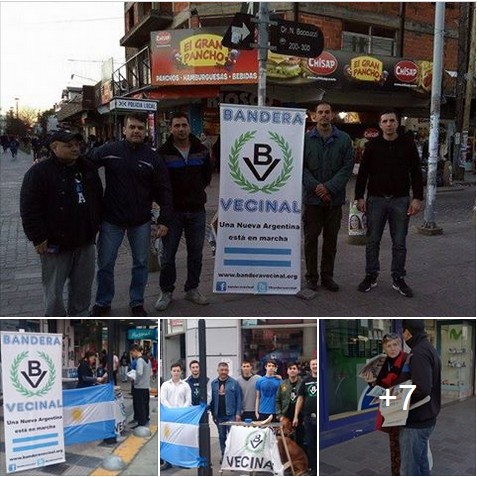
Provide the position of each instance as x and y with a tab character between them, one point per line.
135	177
425	367
189	167
60	206
389	168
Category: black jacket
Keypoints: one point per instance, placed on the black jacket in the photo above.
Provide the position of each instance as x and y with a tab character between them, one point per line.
135	176
426	375
189	178
390	168
85	375
51	208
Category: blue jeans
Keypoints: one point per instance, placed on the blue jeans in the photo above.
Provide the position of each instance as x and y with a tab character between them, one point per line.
193	226
110	239
223	430
380	210
413	445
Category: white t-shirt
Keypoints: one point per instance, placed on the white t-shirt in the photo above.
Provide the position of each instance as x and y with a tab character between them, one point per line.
176	394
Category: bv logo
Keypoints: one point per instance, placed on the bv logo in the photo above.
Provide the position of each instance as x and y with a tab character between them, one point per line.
34	372
263	163
256	441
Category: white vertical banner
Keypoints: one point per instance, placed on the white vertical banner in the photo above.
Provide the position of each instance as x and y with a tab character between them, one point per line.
32	400
259	219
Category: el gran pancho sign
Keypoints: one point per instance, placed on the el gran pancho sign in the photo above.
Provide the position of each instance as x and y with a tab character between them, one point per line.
32	400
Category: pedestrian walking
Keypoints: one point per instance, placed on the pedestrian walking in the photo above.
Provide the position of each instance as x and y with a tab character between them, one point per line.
4	141
135	176
390	167
266	392
226	403
425	367
124	367
14	145
307	404
194	382
142	384
327	167
188	162
247	382
60	207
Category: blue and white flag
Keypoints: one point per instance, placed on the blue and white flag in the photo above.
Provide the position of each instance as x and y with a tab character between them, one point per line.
88	414
180	435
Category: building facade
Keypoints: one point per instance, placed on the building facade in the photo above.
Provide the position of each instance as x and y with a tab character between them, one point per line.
232	341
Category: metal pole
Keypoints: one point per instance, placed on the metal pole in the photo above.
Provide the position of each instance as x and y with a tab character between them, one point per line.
263	19
111	345
469	89
204	430
429	226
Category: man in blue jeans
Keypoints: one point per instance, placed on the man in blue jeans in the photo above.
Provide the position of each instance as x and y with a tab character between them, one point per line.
389	168
188	162
226	403
425	367
135	177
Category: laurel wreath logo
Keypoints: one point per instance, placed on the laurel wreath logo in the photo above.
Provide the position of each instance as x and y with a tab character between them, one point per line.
242	181
15	378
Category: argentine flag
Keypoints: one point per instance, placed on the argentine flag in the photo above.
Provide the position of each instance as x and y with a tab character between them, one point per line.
88	414
180	435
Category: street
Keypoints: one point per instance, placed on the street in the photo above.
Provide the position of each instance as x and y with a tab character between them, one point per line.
440	269
452	446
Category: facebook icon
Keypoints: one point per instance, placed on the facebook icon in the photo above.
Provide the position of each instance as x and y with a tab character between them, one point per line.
221	286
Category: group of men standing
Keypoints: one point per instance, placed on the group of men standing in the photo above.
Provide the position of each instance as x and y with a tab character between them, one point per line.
63	208
252	397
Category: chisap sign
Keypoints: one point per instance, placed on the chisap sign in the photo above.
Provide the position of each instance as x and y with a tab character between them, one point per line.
259	219
32	400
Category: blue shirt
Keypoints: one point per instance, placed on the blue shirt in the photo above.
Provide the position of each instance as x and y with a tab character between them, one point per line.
268	386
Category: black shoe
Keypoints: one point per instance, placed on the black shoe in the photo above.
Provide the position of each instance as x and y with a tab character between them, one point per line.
401	286
329	284
138	311
369	282
311	285
99	310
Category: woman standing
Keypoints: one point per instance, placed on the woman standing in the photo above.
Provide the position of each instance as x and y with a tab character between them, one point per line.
395	370
86	375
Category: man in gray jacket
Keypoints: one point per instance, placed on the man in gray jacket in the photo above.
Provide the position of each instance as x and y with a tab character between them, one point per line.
327	167
142	383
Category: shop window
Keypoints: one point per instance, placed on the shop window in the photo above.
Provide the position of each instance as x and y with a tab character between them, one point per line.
368	39
280	342
349	345
456	350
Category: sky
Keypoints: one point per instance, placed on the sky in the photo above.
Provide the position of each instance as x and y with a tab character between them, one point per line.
38	40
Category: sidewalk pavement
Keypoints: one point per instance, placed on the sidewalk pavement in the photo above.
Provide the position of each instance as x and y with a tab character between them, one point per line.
441	269
139	454
452	446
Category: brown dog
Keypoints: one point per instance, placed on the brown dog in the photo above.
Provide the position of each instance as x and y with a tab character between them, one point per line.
297	454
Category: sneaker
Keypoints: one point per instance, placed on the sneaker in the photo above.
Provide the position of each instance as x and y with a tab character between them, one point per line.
329	284
311	285
138	311
368	283
196	297
163	301
401	286
99	310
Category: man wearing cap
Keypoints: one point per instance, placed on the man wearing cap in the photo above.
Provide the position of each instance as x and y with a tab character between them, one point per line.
135	177
425	367
60	207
